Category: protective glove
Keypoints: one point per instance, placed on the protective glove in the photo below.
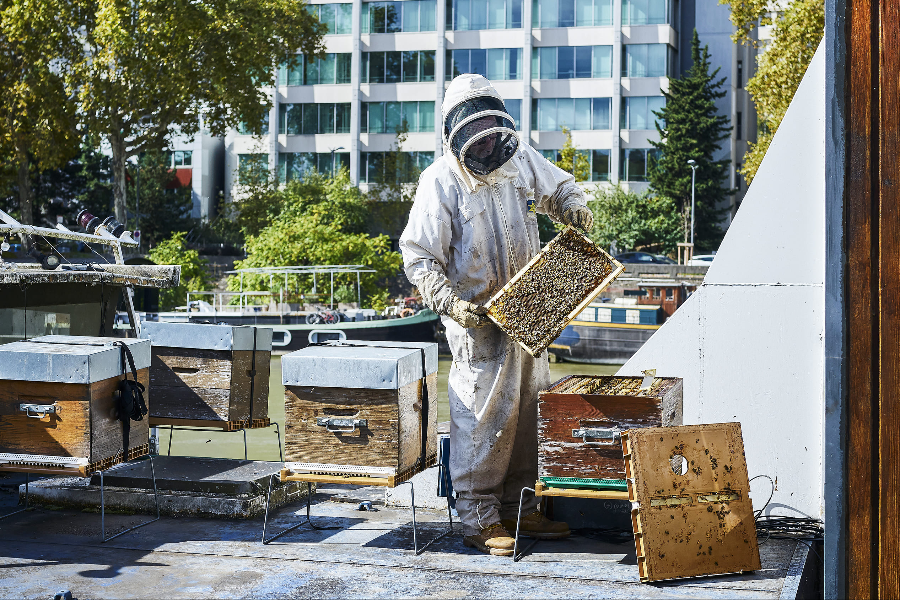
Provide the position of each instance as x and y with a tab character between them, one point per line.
467	314
577	216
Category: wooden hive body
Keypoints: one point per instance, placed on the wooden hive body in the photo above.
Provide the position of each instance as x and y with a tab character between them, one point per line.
603	406
203	372
78	376
382	386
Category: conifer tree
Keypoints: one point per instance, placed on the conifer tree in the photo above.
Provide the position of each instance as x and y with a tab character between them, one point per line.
690	128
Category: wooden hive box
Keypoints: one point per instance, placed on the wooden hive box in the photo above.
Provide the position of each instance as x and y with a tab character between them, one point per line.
204	373
359	409
581	419
58	404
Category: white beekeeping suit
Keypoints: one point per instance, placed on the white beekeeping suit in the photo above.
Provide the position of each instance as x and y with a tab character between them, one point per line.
473	226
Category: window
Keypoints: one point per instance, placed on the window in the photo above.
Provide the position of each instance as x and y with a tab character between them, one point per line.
645	12
338	17
739	125
465	15
294	166
635	164
334	68
571	62
552	114
180	158
396	17
244	129
571	13
308	119
496	64
393	67
637	111
739	79
252	167
645	60
372	166
598	159
386	117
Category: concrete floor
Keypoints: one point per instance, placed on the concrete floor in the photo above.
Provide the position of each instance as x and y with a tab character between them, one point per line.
367	555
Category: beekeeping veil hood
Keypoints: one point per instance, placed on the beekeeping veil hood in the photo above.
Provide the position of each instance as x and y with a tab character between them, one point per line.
477	129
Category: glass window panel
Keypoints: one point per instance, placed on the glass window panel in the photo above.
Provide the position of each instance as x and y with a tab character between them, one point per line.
311	74
565	112
496	14
478	15
377	12
514	108
410	65
582	114
656	60
656	12
566	13
565	62
654	104
514	14
392	15
602	12
342	68
478	62
463	22
496	64
364	17
549	13
376	117
600	118
392	116
584	13
426	15
326	69
602	61
410	16
310	119
583	56
392	63
426	65
426	116
599	165
342	118
460	62
548	63
514	63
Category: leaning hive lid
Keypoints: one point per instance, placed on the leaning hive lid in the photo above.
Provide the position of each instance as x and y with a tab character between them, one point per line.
69	359
352	367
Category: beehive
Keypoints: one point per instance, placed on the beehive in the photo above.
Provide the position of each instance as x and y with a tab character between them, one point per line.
361	410
58	408
553	288
205	373
581	419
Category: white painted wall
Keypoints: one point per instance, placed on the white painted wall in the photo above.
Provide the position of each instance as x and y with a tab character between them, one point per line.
749	342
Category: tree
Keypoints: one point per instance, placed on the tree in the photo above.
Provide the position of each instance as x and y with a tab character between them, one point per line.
174	251
781	67
689	127
146	69
165	205
573	160
629	220
36	113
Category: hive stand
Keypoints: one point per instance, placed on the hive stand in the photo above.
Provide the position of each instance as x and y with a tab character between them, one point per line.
541	490
226	426
388	482
75	471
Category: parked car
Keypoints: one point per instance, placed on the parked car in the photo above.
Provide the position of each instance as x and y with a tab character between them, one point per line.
644	258
701	260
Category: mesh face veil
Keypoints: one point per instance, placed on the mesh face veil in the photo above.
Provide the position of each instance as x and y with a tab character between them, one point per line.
481	134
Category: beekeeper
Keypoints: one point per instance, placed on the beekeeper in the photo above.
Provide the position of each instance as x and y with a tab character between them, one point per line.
472	227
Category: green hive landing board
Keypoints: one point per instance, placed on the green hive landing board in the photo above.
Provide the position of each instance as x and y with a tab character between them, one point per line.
544	297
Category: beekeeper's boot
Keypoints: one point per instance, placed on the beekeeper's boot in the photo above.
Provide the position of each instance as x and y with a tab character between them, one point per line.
536	525
493	539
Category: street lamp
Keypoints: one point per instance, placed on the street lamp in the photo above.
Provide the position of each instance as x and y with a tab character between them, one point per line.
693	164
333	150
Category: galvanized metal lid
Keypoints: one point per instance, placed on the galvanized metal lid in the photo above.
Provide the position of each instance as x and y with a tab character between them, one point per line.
352	367
207	337
69	358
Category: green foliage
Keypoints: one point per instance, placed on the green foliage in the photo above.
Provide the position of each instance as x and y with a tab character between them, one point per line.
780	70
631	220
174	251
570	156
690	128
162	211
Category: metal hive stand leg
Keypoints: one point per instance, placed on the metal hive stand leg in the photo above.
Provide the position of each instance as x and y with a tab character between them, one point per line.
103	506
306	521
21	510
516	555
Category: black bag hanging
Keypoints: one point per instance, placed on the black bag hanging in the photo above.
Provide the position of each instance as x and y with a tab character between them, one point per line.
131	405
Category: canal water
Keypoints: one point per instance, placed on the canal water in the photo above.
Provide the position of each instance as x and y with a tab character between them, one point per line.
262	444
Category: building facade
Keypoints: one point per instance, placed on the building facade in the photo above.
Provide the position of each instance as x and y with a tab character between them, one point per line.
596	67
